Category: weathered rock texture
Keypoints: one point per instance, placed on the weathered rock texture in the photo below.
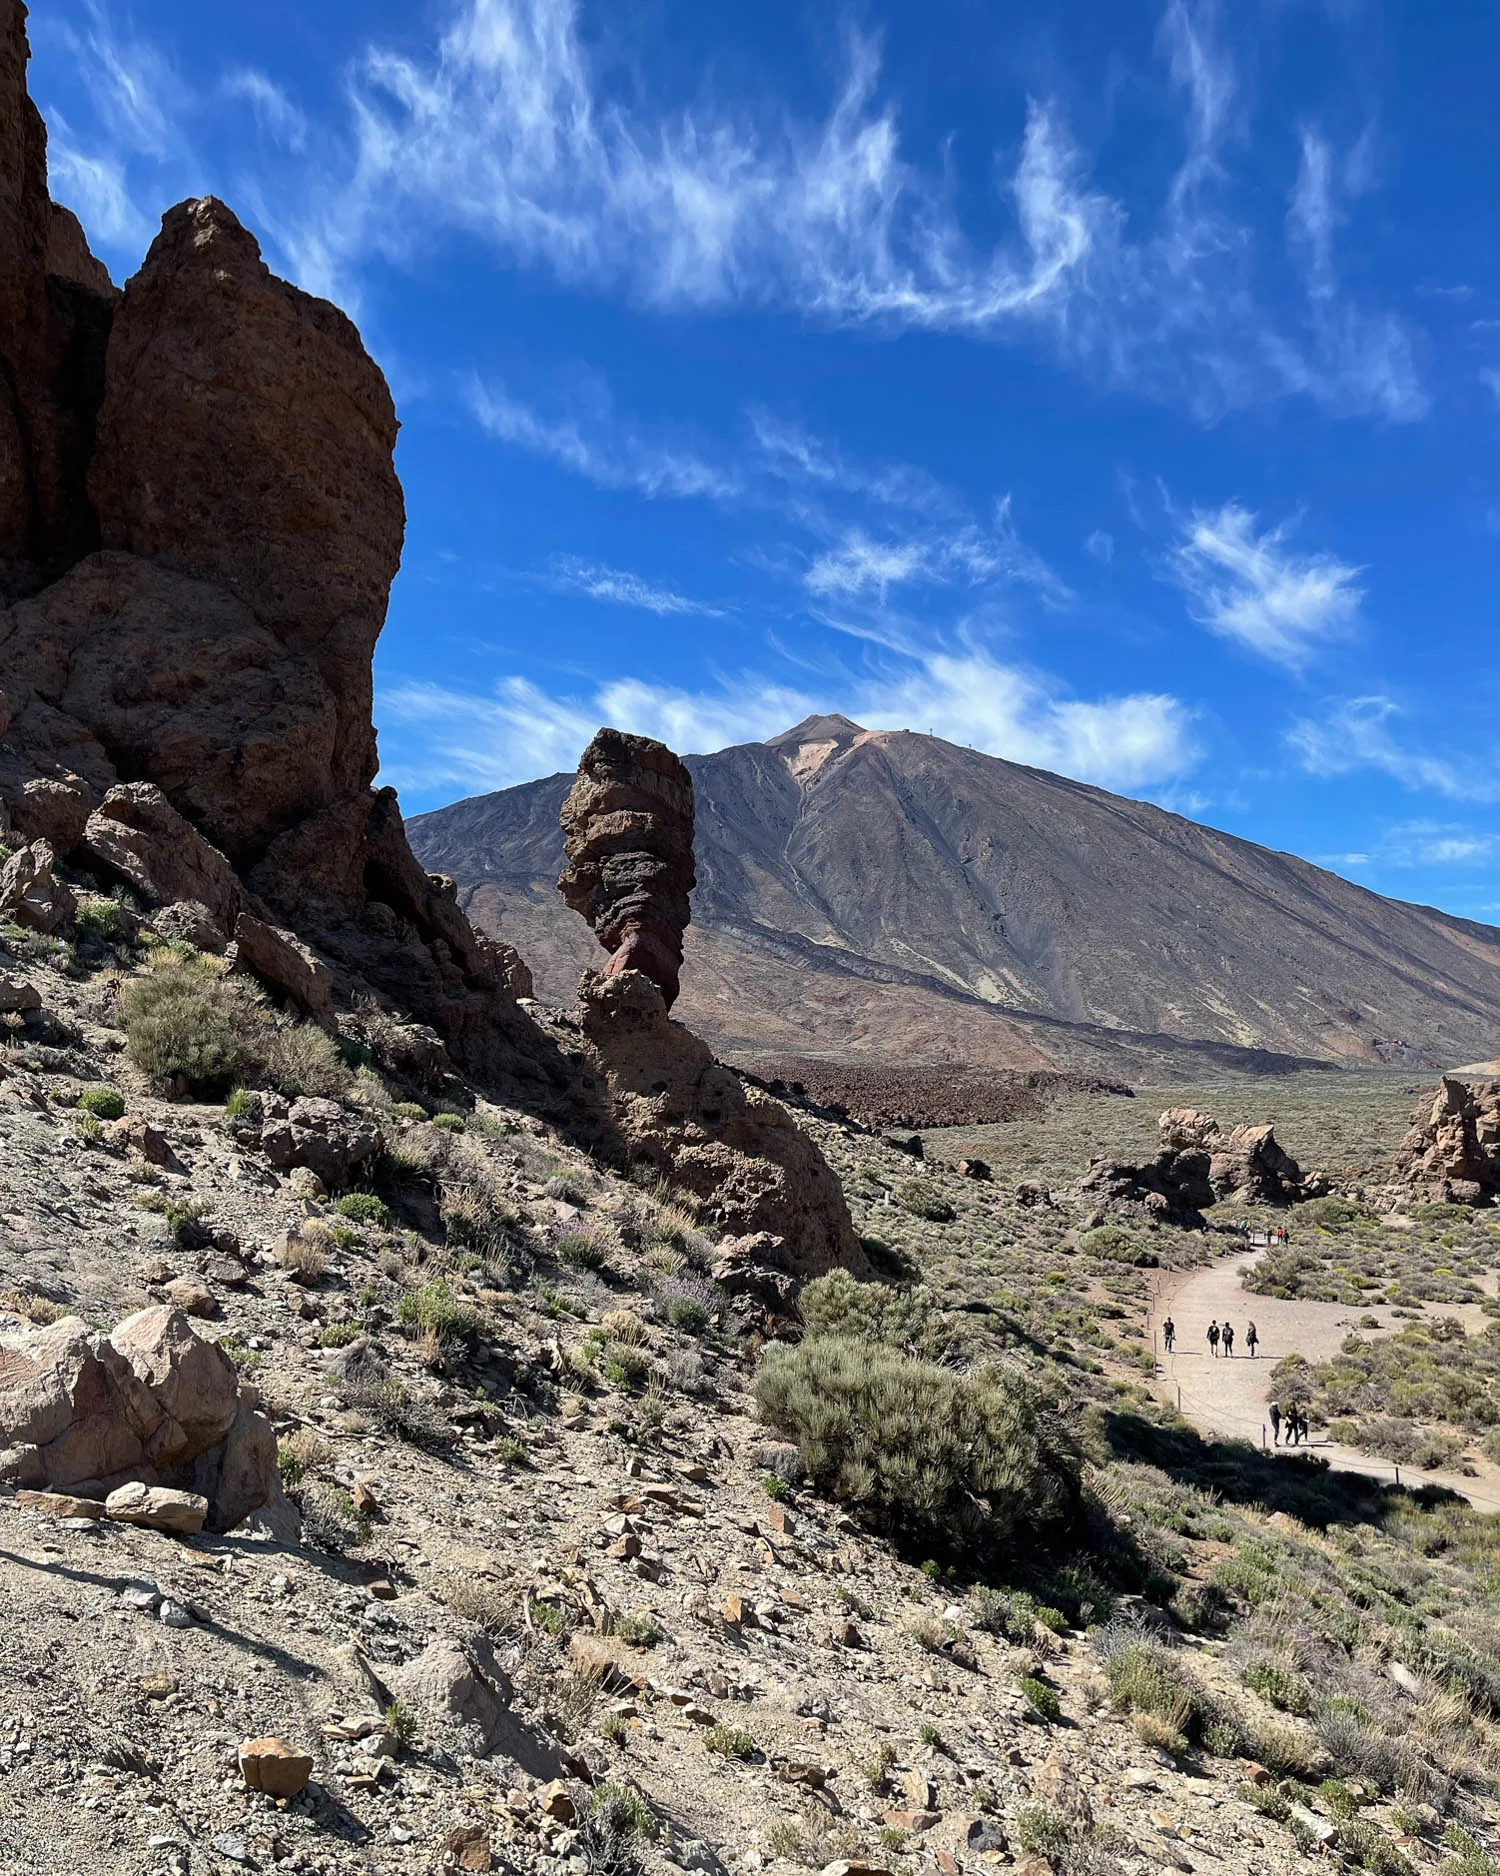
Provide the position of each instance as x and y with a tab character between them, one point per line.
1198	1166
199	525
628	833
1452	1153
150	1404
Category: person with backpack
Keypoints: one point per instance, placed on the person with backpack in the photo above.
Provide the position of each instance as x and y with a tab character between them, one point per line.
1213	1337
1229	1338
1252	1339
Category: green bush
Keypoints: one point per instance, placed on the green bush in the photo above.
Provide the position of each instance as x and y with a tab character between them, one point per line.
363	1208
103	919
730	1742
1146	1677
1281	1685
839	1304
189	1020
581	1250
1041	1698
102	1103
435	1308
922	1199
300	1058
450	1123
943	1463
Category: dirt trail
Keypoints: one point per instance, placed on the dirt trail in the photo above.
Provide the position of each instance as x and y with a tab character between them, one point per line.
1229	1396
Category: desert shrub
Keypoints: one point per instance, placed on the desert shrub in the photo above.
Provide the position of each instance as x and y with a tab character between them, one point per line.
33	1307
189	1020
730	1742
102	1103
839	1304
435	1310
492	1607
946	1463
1041	1698
299	1454
1360	1749
582	1250
363	1208
1332	1211
1279	1684
450	1123
1147	1677
303	1252
1112	1242
300	1058
99	918
1041	1831
687	1303
329	1520
922	1199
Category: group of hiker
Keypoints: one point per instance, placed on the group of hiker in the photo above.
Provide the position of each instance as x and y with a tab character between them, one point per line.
1293	1417
1220	1335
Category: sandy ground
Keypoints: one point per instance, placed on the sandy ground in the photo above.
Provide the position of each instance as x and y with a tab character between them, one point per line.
1229	1396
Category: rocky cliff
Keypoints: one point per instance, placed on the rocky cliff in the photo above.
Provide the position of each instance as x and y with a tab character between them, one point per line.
199	525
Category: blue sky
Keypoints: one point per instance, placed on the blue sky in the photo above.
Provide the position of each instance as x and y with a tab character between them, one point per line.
1113	387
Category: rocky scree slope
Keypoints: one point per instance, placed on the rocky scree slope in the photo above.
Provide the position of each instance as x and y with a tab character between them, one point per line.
561	1603
891	896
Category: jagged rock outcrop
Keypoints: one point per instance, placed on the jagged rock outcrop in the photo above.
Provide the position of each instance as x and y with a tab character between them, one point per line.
55	311
628	833
1452	1153
152	1403
679	1111
199	525
1197	1167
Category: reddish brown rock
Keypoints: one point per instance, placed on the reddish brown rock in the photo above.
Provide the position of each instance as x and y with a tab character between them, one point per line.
628	832
734	1149
272	1766
1452	1152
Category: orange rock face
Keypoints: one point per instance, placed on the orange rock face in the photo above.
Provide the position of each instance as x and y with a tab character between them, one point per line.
272	1766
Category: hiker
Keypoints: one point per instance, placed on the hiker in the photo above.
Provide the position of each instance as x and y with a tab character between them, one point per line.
1252	1339
1297	1420
1169	1333
1229	1338
1213	1337
1275	1413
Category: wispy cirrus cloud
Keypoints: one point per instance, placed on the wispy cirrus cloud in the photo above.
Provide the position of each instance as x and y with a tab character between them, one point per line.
1246	583
1426	843
601	449
612	586
515	132
519	730
1367	733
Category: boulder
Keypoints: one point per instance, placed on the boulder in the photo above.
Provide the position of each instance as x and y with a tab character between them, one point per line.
1253	1168
279	958
190	923
157	1508
54	808
31	894
137	836
1187	1130
152	1405
454	1694
326	1138
628	833
17	997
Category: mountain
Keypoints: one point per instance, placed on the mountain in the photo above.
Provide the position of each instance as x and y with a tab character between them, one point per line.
880	895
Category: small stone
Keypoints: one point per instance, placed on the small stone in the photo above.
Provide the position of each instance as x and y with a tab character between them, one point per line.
467	1847
140	1596
781	1520
732	1611
230	1846
174	1614
556	1801
272	1766
380	1591
626	1547
61	1505
364	1500
191	1296
844	1634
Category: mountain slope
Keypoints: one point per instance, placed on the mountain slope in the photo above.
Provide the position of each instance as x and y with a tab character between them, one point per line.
891	895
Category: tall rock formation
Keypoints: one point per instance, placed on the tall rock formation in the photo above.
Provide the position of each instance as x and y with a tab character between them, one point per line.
628	825
628	834
199	524
1452	1153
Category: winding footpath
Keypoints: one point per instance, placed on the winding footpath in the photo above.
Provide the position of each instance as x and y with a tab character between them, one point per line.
1228	1397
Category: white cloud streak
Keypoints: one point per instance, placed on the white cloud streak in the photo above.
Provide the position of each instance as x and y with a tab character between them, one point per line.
1365	733
279	119
1245	583
520	731
512	131
614	587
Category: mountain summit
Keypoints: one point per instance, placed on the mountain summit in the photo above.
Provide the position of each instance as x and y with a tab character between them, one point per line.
886	895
